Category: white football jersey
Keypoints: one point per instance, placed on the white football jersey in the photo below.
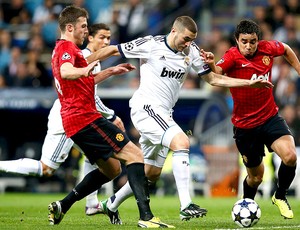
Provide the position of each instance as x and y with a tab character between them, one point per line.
162	69
86	52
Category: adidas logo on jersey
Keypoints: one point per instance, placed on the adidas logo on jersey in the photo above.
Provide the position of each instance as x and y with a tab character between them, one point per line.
172	74
162	58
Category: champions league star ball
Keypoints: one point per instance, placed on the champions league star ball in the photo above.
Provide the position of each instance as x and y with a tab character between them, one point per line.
245	213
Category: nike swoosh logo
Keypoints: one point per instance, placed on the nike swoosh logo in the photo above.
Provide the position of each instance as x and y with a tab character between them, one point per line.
244	65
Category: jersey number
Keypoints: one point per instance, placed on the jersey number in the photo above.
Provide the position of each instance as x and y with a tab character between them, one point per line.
58	88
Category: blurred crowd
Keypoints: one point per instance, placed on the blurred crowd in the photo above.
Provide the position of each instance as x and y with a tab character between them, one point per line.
28	31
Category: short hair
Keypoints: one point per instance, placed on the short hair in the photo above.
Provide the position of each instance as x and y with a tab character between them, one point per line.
70	15
247	26
93	29
185	22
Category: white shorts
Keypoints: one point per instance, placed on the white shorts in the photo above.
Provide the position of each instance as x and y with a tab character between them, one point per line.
56	149
56	145
157	129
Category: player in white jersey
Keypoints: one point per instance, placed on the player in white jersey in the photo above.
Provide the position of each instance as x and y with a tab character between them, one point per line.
56	146
164	64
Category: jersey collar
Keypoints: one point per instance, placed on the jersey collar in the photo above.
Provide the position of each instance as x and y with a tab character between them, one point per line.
173	50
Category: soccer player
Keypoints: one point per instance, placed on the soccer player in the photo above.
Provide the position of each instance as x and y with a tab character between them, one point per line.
99	37
255	114
56	146
165	61
102	142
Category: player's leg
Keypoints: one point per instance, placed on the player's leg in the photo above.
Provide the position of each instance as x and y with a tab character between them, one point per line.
281	141
178	142
92	202
150	152
93	140
157	129
55	150
132	156
113	202
284	147
253	180
251	147
22	166
91	182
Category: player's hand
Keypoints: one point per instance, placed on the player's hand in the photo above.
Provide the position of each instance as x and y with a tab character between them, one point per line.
127	66
259	83
119	123
122	68
90	68
207	57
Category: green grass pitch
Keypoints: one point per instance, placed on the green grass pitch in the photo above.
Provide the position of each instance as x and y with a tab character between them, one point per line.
29	211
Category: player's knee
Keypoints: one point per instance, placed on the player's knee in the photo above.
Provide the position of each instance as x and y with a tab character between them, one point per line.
255	181
290	159
153	176
116	172
180	142
135	154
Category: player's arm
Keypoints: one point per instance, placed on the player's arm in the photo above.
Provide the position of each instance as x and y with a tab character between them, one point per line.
114	70
68	71
103	53
291	57
228	82
209	58
216	78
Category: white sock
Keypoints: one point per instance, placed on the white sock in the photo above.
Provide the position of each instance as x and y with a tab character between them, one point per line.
116	200
91	199
23	166
181	172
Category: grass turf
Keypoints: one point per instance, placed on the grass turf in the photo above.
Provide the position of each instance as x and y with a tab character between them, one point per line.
29	211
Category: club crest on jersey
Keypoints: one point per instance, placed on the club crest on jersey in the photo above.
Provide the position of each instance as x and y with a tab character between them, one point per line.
129	46
187	61
119	137
266	60
66	56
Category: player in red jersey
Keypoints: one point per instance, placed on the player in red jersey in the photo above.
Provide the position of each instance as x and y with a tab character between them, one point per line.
102	142
255	114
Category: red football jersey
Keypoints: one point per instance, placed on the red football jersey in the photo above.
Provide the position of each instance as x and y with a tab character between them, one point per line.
252	106
76	96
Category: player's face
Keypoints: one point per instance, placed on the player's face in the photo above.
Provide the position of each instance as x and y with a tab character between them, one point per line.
183	39
247	44
80	31
100	40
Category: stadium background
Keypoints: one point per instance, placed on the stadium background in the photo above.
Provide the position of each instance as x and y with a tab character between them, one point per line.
202	111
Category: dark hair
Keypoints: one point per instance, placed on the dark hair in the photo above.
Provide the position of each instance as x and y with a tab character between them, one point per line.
70	15
187	22
93	29
247	26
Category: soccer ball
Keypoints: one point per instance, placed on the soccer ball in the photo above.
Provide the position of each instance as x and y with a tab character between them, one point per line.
245	213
